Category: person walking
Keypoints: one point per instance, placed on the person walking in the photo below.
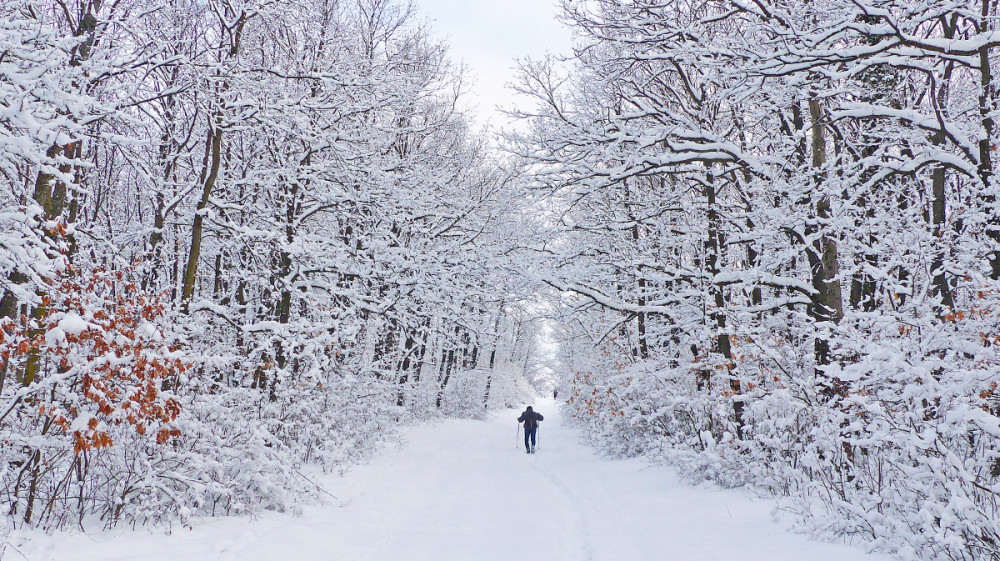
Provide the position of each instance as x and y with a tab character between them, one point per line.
530	420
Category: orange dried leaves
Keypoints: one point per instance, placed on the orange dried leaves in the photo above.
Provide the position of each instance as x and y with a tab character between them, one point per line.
113	359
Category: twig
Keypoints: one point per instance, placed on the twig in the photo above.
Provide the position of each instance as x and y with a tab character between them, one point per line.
318	486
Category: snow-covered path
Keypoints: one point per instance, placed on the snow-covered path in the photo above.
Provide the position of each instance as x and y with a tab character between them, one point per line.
460	490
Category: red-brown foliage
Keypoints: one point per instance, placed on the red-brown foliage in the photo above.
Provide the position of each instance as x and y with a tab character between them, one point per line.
99	349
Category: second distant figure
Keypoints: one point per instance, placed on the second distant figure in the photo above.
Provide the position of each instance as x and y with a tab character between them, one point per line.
530	420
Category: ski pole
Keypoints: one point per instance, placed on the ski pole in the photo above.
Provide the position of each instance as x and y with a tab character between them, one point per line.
517	435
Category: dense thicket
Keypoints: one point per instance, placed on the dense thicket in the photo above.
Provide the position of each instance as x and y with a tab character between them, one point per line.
236	237
778	249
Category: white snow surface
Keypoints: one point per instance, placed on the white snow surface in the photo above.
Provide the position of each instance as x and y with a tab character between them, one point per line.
460	490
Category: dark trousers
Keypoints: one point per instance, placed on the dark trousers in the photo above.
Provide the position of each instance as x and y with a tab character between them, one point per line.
529	433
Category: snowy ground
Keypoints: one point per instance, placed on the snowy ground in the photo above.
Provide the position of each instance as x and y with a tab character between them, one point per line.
460	490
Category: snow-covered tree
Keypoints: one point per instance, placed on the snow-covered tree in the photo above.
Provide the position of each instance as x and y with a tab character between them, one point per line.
775	249
238	236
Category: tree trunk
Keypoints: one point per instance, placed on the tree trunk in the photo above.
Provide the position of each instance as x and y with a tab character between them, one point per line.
987	105
641	316
493	356
942	286
827	302
214	146
214	150
449	365
723	345
404	370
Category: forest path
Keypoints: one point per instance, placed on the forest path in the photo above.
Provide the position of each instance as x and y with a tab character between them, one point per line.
461	491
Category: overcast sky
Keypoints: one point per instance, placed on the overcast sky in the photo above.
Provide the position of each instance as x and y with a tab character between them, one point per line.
487	35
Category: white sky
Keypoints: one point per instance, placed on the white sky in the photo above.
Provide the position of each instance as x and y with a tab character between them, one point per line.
487	35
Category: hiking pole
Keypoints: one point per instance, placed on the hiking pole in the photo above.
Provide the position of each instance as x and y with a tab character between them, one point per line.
517	435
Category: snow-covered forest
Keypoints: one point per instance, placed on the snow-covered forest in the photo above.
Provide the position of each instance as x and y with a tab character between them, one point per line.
245	240
238	236
777	240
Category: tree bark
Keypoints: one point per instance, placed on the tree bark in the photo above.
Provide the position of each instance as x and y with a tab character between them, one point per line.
214	146
214	149
987	105
723	345
827	302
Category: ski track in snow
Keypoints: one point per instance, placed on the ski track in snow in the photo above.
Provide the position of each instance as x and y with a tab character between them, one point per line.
460	491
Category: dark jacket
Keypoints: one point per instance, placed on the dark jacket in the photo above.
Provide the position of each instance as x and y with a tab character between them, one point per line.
530	419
